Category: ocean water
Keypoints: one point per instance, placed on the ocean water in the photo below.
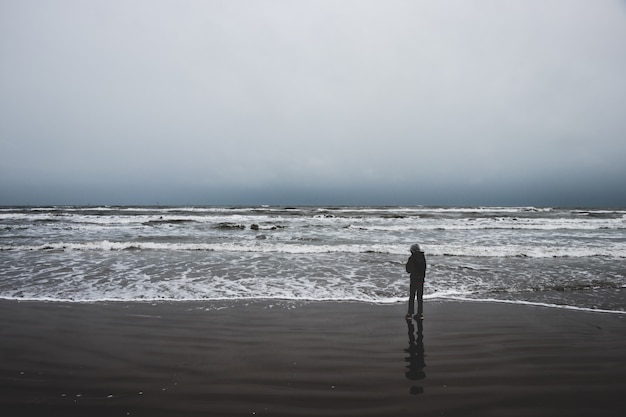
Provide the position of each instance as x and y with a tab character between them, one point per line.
562	258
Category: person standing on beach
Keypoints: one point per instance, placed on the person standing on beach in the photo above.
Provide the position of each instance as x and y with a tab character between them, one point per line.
416	266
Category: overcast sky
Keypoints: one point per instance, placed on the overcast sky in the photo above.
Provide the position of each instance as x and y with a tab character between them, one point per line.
319	102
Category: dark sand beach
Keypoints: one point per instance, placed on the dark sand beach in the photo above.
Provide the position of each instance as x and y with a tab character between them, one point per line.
308	359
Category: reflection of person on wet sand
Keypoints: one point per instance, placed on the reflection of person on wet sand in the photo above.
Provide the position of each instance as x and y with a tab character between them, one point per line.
416	356
416	266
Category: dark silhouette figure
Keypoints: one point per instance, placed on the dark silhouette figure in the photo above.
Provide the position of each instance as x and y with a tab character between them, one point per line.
416	266
416	356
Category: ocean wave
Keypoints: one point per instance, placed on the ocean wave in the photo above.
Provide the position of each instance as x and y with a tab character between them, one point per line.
265	246
133	277
167	222
411	219
311	253
466	226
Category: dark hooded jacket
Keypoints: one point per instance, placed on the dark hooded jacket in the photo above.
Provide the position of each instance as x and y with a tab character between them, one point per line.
416	266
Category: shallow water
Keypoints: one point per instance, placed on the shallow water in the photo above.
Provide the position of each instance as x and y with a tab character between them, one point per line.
560	257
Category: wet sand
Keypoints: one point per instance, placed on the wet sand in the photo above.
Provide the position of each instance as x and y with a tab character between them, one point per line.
308	359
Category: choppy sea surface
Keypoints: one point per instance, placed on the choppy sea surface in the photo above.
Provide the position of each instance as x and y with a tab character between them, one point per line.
564	258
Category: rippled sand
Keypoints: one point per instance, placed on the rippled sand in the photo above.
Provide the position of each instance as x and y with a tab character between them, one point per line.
308	359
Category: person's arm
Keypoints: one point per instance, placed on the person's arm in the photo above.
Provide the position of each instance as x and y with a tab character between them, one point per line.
409	265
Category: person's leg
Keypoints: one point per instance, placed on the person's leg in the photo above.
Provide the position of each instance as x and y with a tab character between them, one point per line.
412	291
420	302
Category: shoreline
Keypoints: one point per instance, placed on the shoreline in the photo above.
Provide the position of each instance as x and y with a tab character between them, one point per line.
282	301
286	358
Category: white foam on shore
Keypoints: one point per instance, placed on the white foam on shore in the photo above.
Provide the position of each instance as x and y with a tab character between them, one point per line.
532	303
617	250
395	300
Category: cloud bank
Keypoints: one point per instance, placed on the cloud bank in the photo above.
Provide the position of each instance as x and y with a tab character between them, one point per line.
279	102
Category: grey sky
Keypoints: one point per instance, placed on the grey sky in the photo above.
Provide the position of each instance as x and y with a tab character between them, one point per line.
320	102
